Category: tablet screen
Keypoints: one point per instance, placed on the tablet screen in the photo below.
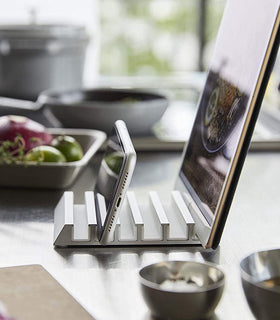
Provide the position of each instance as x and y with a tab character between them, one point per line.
240	51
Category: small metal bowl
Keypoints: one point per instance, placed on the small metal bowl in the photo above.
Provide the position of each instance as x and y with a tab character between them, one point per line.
180	290
260	275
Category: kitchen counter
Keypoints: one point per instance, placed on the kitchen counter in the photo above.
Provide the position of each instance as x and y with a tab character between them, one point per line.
104	280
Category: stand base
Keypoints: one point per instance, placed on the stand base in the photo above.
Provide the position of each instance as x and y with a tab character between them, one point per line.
147	224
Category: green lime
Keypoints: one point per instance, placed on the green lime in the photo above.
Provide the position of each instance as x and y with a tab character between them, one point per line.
45	154
69	146
114	161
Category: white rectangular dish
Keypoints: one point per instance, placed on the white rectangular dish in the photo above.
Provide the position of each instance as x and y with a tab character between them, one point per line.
53	175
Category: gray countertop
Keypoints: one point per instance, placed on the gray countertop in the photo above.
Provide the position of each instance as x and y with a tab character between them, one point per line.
105	281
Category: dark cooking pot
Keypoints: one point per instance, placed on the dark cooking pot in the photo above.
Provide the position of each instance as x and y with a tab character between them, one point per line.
35	57
93	109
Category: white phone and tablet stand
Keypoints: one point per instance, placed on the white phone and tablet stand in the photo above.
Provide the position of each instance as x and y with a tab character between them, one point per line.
212	162
139	224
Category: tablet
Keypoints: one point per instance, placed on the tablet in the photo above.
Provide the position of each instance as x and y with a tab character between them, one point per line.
246	48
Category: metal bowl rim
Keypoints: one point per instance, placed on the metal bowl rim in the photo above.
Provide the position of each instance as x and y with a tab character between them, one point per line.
156	286
49	97
248	277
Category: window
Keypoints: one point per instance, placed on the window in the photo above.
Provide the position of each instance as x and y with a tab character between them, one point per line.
157	37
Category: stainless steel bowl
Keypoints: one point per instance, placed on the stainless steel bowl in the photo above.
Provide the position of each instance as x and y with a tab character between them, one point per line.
99	108
260	275
180	290
93	108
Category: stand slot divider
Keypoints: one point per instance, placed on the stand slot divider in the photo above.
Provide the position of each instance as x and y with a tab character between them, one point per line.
128	229
64	219
101	208
202	227
185	212
90	208
101	214
91	215
159	210
136	214
117	233
80	226
188	199
69	207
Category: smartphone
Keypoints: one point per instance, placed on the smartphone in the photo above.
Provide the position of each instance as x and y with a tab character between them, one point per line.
115	173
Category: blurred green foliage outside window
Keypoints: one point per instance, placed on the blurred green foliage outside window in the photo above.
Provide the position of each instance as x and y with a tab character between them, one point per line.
156	37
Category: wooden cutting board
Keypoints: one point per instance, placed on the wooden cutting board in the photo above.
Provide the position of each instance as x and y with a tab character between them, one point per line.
31	293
